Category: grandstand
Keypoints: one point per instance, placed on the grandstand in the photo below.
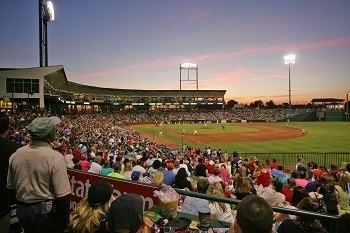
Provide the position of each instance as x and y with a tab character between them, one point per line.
49	87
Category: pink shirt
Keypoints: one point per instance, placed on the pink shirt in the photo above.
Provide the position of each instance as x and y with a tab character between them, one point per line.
301	182
85	165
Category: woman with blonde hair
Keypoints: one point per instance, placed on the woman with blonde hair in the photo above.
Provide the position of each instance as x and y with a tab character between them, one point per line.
91	215
219	210
127	171
343	192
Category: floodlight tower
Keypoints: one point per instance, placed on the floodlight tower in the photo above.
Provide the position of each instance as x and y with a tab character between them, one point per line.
289	59
46	14
189	66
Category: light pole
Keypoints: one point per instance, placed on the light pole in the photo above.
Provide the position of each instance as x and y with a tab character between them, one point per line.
46	14
289	59
188	66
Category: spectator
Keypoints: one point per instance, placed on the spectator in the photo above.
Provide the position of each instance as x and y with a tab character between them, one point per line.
127	171
287	190
299	193
328	191
182	180
262	174
242	187
117	171
169	176
69	159
301	180
191	205
304	224
126	215
106	169
77	165
42	188
343	192
85	165
95	167
216	176
254	215
90	216
201	169
7	149
274	164
219	210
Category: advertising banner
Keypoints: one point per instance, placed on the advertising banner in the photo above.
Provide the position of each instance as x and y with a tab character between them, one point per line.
81	181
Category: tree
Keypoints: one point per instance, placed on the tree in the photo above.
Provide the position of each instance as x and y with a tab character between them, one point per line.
270	104
231	103
286	105
257	103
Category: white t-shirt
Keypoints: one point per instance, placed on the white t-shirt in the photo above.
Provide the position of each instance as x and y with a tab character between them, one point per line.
219	214
69	160
95	168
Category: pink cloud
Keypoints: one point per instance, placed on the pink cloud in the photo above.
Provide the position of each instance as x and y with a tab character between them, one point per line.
173	61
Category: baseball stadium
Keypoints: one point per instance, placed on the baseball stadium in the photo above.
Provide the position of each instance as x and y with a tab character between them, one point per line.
91	147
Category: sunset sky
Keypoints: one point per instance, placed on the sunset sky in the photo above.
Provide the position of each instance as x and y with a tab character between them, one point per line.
238	45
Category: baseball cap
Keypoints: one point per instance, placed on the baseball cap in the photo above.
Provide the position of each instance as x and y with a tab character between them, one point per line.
99	193
135	175
42	126
126	212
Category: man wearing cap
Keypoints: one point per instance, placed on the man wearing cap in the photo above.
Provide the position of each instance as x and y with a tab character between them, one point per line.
7	148
38	175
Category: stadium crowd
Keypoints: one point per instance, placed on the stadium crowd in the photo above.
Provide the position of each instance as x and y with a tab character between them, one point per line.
96	143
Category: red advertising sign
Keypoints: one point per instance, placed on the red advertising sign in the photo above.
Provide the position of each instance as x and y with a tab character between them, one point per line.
81	181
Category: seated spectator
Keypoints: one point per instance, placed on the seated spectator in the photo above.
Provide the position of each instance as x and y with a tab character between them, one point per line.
225	175
215	177
299	193
219	210
182	181
155	167
106	168
287	190
90	216
242	187
273	194
275	164
191	205
211	167
117	171
201	169
254	215
85	165
262	174
126	215
169	176
304	224
95	167
278	173
328	191
127	171
301	180
77	165
158	178
343	192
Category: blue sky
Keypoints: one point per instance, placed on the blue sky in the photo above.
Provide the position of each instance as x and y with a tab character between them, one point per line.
239	45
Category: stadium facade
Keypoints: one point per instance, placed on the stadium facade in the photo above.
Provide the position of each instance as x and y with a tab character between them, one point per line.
48	87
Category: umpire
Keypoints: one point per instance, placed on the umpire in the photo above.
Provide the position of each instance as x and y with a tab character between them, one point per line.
38	176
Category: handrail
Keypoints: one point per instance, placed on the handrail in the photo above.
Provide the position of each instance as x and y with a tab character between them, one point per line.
326	217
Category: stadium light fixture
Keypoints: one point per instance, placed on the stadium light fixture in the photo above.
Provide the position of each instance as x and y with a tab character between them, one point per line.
188	65
50	11
289	59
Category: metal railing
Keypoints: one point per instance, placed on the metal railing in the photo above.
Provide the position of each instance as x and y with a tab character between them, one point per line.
331	219
288	160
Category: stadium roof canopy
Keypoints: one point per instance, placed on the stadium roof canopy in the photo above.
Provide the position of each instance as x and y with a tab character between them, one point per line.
56	76
327	101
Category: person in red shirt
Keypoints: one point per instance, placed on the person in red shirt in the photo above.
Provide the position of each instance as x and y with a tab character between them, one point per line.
274	164
263	176
287	190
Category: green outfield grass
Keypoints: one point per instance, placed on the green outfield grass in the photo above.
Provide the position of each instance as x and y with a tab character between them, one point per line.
321	137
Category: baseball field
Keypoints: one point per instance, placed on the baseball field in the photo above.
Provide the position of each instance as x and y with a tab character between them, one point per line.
254	137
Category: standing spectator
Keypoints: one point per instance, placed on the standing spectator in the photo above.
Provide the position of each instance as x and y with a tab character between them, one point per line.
236	163
38	175
7	148
254	215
